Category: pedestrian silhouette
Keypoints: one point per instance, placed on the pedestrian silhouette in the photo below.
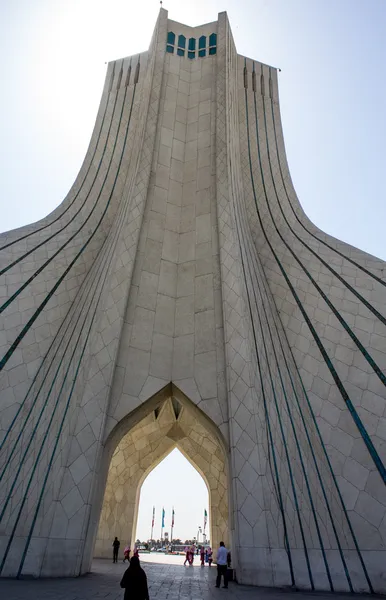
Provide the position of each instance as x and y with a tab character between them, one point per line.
134	581
116	544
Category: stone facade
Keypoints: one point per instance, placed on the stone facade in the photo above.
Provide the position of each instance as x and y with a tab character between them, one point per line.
180	270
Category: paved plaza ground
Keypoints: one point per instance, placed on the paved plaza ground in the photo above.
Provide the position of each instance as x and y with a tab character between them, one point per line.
167	578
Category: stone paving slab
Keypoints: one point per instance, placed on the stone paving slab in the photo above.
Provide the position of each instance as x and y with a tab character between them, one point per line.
166	582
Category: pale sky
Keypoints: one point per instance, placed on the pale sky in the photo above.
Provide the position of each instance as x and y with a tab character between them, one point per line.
174	482
332	55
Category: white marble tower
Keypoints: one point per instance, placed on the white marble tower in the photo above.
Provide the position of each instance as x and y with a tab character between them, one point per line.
179	296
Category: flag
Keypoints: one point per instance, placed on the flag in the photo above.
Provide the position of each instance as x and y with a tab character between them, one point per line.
163	517
173	517
152	521
205	518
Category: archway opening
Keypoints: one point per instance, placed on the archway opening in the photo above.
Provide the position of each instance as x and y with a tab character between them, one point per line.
173	422
176	487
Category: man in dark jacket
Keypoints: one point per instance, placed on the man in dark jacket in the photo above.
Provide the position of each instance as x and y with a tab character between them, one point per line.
116	544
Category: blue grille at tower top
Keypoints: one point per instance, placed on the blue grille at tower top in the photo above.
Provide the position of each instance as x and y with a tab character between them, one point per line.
171	38
192	45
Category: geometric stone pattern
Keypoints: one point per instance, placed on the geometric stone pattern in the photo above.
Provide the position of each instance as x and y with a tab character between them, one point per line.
182	264
139	451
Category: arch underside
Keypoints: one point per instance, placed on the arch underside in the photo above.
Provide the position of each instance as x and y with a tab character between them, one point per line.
170	425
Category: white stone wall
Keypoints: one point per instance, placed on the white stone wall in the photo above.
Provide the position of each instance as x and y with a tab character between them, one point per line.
173	328
181	259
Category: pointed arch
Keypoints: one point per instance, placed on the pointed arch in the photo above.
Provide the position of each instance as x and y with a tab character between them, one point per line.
139	443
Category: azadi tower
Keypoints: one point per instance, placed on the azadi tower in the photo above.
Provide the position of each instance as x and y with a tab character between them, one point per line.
180	297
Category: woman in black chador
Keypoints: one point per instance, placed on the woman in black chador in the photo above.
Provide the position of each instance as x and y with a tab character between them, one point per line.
135	582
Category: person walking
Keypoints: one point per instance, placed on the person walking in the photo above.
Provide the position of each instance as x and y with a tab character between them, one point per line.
222	565
187	556
191	555
116	544
126	554
134	581
210	556
202	556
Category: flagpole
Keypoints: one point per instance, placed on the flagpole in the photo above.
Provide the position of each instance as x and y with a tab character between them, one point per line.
171	532
162	525
152	524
